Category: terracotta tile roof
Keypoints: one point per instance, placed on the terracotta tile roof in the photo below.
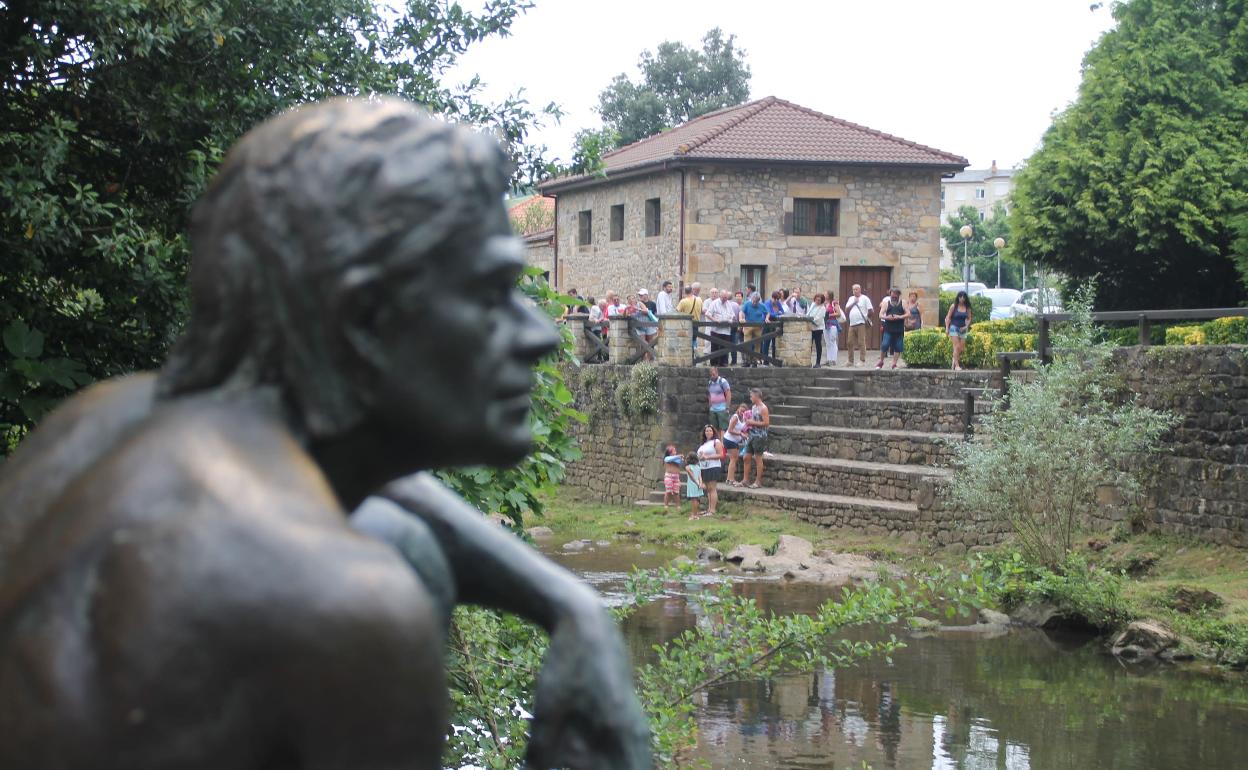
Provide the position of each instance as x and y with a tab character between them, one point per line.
776	130
516	208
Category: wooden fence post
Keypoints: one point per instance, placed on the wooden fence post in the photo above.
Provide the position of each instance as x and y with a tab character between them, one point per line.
1042	341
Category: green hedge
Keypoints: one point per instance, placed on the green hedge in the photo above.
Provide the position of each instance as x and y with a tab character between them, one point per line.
983	346
1219	331
981	307
930	348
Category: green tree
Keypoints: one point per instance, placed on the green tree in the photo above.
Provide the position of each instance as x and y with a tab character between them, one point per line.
1141	180
980	248
114	114
678	83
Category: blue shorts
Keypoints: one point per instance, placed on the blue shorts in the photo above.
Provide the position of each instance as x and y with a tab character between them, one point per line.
957	331
892	342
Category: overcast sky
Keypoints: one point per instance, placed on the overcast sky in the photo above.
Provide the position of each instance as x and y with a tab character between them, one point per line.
980	78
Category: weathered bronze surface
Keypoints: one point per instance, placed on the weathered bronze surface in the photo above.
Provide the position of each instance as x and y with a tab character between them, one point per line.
237	562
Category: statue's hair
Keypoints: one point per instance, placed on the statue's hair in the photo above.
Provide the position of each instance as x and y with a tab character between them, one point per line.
308	210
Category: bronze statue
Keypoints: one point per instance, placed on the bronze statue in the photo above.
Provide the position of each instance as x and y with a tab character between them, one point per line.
236	563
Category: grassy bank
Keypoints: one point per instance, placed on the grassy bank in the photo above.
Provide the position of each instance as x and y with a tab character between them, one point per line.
572	519
1109	583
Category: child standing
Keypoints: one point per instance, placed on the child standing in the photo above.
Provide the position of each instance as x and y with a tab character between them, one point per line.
694	486
672	462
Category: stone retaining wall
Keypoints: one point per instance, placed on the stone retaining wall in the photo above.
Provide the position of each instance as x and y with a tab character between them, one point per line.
1199	487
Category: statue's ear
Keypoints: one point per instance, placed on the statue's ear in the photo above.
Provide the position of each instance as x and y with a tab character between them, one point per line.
362	305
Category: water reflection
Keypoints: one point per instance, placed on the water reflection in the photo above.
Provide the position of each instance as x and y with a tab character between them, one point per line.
1025	701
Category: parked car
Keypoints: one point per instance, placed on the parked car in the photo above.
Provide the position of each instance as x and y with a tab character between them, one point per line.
955	286
1002	302
1030	300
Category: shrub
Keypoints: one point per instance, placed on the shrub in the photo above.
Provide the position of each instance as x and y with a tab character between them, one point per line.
982	346
1068	431
981	307
1185	335
928	348
1006	325
638	395
1227	331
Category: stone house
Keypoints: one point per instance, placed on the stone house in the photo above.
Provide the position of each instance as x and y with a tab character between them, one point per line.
768	193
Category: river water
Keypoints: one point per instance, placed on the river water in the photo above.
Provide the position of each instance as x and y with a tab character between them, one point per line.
1023	701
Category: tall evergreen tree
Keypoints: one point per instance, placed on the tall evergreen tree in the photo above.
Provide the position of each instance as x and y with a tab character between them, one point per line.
1144	179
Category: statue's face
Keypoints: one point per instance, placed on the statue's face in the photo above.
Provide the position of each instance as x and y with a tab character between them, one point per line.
461	342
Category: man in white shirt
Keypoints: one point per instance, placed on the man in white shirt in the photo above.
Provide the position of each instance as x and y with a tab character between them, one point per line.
615	307
858	312
663	302
719	311
732	313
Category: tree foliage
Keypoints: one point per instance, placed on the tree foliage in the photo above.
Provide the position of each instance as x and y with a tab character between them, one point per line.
1144	179
980	249
678	83
114	114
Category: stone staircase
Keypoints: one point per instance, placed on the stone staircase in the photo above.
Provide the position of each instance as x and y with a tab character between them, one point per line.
861	449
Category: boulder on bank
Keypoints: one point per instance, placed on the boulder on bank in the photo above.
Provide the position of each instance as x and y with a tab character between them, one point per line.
1188	600
747	556
707	553
540	532
993	618
1144	639
795	559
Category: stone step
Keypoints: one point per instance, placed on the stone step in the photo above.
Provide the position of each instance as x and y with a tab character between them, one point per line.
837	511
792	410
870	445
849	478
928	415
919	383
833	378
842	388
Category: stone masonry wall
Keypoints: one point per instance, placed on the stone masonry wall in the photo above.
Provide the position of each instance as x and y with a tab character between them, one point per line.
625	265
1199	485
888	218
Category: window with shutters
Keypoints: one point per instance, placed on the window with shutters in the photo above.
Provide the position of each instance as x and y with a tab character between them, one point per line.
585	228
652	217
617	222
815	216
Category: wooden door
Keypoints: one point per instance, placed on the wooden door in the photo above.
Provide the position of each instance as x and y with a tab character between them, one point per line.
875	282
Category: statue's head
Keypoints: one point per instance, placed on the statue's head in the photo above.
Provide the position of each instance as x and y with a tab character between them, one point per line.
356	256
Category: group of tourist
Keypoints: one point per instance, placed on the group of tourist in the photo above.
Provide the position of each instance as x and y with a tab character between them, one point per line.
730	437
726	308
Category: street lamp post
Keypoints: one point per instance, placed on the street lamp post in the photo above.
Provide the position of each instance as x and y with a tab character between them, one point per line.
965	231
999	244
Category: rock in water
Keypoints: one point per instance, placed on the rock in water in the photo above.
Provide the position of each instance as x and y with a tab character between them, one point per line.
707	553
994	618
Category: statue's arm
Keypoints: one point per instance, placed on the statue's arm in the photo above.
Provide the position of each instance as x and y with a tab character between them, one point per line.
586	715
490	566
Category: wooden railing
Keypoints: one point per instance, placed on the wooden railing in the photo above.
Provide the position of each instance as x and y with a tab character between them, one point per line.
641	348
1144	318
752	349
1044	350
